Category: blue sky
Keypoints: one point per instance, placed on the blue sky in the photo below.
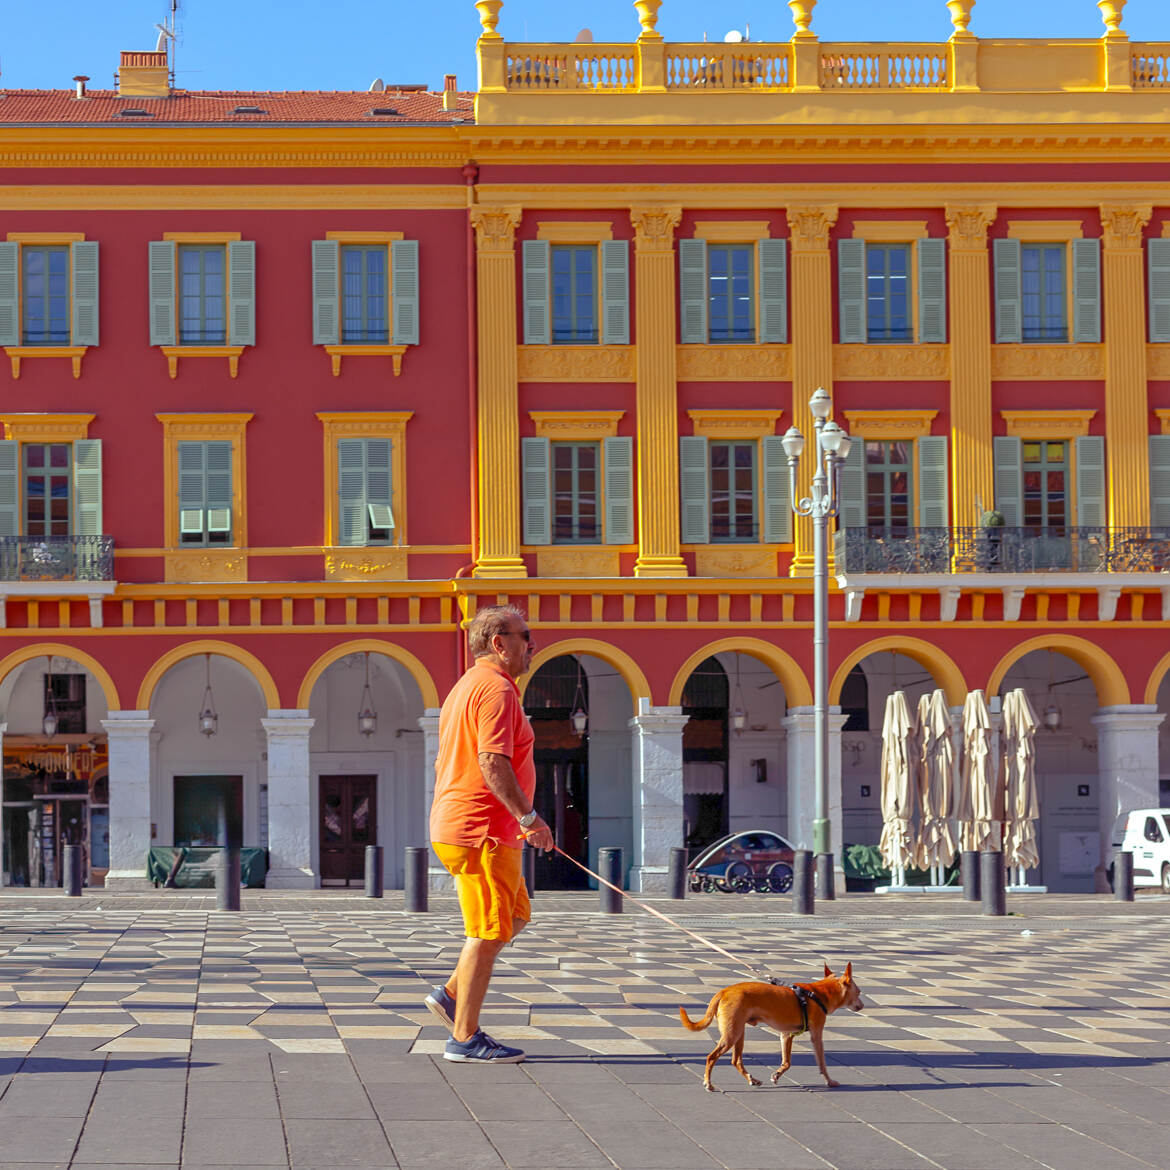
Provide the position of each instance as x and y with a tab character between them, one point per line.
345	44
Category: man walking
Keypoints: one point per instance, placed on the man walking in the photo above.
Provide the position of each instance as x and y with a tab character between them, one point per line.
481	816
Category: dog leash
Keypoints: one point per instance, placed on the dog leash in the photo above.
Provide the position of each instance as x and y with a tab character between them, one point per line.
671	922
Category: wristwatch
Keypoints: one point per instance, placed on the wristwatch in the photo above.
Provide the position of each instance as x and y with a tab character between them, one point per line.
527	820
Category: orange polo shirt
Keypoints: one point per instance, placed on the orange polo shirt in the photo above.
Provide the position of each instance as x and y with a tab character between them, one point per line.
482	714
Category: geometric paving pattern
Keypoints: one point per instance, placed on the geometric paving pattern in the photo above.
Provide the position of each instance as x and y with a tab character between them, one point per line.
1022	1041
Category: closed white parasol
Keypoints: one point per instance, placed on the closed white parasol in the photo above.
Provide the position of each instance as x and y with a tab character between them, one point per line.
898	786
1019	763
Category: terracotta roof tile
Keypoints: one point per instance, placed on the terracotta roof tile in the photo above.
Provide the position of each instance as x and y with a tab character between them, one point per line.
61	107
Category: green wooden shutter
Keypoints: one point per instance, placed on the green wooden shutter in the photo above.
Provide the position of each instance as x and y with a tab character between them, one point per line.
773	260
932	290
162	292
931	487
536	484
536	264
615	292
777	491
241	258
192	487
83	280
404	272
619	489
851	313
1159	265
326	292
9	487
694	477
1091	481
87	487
351	491
1159	479
851	486
379	490
1009	307
1008	458
219	486
692	296
1086	258
9	293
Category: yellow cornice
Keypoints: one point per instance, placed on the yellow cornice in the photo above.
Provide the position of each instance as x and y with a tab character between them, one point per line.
365	237
1047	424
233	197
734	424
1045	231
576	425
44	237
890	231
889	424
732	231
202	237
564	231
46	428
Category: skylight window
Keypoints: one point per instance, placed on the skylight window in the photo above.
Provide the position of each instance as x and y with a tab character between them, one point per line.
249	110
384	111
134	112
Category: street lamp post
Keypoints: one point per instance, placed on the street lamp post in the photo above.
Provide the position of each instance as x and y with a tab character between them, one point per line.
832	447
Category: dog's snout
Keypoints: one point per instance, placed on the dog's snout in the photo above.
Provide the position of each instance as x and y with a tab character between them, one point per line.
858	1005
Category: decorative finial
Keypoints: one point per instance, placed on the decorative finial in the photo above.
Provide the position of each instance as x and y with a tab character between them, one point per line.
802	11
961	15
1111	11
648	17
489	16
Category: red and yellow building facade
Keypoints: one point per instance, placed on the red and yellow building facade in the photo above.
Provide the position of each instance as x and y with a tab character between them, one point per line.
611	279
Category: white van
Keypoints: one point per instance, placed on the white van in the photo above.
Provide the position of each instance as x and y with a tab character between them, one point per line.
1145	832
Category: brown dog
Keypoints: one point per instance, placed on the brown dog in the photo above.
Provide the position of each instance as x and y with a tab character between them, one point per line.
789	1010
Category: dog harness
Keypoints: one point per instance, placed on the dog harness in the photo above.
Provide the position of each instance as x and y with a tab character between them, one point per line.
803	995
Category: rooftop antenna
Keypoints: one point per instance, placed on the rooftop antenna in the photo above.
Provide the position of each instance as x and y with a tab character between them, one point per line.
166	38
377	85
734	37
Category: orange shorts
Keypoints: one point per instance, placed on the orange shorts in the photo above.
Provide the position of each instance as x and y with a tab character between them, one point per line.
490	885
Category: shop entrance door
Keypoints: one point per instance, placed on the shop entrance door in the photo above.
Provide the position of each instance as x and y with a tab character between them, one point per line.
348	823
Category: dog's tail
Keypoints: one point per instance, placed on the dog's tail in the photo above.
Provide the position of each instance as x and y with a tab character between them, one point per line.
699	1025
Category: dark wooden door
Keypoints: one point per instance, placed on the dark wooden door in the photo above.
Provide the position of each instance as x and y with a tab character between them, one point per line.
348	823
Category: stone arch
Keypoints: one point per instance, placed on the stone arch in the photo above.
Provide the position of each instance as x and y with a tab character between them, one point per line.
797	692
630	671
59	650
1156	677
1107	677
237	654
412	665
940	664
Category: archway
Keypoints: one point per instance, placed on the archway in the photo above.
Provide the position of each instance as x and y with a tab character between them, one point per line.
630	672
936	662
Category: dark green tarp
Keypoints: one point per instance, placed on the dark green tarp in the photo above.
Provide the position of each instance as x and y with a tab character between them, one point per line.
198	868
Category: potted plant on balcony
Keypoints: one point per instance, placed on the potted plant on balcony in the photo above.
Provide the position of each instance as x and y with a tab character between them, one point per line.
988	540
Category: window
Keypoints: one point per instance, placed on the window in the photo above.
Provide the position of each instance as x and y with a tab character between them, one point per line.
205	492
65	693
574	493
47	495
889	477
365	295
202	294
733	491
576	293
1151	832
365	495
50	490
733	293
891	292
1045	309
887	292
48	292
1045	484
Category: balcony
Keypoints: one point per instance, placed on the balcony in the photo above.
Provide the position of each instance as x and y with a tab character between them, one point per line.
56	558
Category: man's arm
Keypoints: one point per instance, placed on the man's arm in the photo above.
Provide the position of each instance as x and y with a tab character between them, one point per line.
503	785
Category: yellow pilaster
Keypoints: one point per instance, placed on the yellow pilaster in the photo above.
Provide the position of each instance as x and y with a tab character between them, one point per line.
1124	331
972	474
499	411
658	522
812	345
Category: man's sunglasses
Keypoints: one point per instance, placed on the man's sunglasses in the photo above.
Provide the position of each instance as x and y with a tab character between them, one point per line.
525	634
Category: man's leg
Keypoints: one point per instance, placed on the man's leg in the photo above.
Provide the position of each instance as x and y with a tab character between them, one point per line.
468	986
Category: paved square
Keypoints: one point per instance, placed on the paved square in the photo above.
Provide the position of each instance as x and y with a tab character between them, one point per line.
152	1031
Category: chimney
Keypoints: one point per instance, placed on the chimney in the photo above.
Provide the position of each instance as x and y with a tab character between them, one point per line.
80	81
450	92
144	75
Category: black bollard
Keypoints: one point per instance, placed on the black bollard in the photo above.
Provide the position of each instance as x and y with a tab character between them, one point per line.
803	897
417	859
374	883
676	881
991	882
227	880
826	887
1123	877
528	865
609	866
71	870
969	874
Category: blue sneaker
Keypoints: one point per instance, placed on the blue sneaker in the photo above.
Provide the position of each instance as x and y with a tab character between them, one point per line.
481	1049
442	1004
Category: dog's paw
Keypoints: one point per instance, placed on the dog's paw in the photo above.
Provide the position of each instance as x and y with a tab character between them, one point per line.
710	1087
832	1083
754	1083
776	1077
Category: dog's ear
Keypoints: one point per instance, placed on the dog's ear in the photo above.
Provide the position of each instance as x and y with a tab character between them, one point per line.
848	976
827	971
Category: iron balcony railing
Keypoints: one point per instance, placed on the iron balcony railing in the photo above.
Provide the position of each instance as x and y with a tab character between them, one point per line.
1002	550
56	558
